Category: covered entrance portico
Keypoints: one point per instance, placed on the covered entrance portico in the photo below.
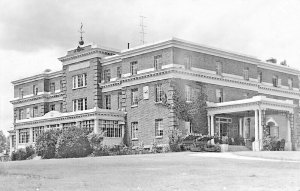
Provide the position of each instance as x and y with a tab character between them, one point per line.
252	119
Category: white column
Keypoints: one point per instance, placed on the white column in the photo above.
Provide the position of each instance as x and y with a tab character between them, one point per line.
17	139
96	126
31	135
212	128
208	124
288	144
241	127
260	129
244	127
255	144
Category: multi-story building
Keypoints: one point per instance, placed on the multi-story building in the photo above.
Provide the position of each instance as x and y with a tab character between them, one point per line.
121	93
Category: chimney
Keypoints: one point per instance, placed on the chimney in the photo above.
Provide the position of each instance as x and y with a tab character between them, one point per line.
128	45
272	60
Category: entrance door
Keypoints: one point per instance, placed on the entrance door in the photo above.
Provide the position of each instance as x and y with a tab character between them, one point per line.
223	129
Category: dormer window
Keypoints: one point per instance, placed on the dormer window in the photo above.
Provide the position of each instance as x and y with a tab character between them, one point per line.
133	67
219	68
275	81
35	90
246	73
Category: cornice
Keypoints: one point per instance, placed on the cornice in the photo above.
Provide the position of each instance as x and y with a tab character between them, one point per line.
41	76
278	68
38	97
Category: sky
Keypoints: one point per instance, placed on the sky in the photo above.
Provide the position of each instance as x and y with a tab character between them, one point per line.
34	33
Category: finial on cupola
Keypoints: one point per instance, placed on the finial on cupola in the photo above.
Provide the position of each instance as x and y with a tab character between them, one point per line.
81	42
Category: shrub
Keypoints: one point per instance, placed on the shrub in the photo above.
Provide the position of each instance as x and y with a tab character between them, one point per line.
73	143
95	140
23	154
46	143
175	142
29	151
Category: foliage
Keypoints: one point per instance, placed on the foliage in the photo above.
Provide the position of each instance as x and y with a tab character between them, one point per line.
193	111
175	140
46	143
273	144
73	143
3	142
23	154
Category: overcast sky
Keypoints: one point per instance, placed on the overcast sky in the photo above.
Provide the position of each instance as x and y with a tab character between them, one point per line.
34	33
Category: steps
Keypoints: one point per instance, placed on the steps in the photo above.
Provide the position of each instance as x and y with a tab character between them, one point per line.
237	148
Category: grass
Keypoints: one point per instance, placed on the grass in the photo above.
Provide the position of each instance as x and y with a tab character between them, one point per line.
278	155
170	171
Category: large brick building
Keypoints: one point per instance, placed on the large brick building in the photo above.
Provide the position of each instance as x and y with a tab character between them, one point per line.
121	93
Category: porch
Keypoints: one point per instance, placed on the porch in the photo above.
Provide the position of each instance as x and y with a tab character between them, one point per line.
252	119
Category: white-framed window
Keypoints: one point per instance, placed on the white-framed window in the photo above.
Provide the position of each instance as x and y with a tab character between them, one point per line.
134	130
21	114
159	130
106	75
275	81
87	124
219	95
188	93
35	112
52	107
219	68
120	100
36	131
246	73
21	93
111	128
35	90
79	81
157	62
134	96
65	125
188	62
107	102
159	93
290	83
52	87
119	72
80	104
24	135
133	67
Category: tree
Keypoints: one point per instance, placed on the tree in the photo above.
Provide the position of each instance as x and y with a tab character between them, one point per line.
3	142
46	143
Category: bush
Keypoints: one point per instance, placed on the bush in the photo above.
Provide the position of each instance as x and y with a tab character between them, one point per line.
175	142
23	154
46	143
73	143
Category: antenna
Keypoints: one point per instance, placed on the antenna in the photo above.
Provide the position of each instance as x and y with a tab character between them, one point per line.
143	26
81	42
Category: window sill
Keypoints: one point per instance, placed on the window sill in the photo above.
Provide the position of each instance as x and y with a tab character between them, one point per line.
158	137
133	106
135	139
79	88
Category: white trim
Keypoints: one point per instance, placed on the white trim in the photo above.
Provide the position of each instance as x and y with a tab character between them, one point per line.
232	76
145	71
203	70
172	66
112	79
126	75
57	91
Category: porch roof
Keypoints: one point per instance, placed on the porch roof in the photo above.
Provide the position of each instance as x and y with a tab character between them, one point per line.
254	103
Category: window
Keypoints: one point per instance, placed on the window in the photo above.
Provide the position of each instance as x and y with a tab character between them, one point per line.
52	107
290	83
246	73
80	104
52	88
157	62
158	93
61	85
159	130
119	72
260	77
35	112
275	81
21	114
107	102
106	75
79	81
133	67
134	130
36	131
27	113
188	62
188	93
66	125
61	107
13	143
219	68
134	96
21	93
35	90
219	95
88	124
119	100
111	128
24	135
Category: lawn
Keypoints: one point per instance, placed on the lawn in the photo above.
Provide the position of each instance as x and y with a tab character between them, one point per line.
170	171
